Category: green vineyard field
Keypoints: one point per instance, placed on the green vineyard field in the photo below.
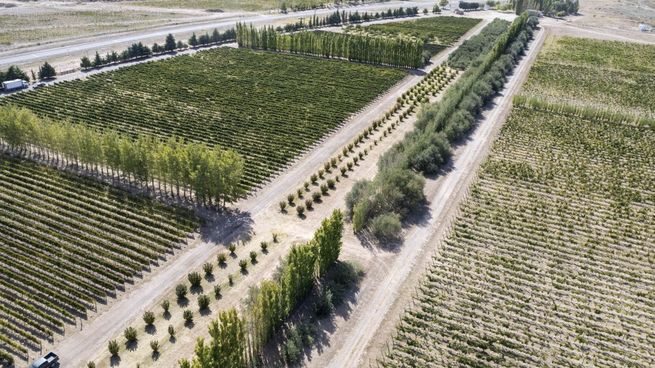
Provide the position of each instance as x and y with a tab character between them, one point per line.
69	242
434	30
602	74
267	107
551	260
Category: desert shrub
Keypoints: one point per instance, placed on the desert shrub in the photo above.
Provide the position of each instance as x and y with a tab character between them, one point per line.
148	318
386	227
243	264
130	334
181	291
194	279
221	258
203	301
208	268
300	209
113	348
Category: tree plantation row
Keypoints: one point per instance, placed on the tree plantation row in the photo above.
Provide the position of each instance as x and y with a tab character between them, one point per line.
92	239
238	342
397	189
374	50
270	107
212	175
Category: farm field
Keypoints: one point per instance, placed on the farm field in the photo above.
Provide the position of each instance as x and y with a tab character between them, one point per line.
443	30
613	75
267	107
69	243
551	259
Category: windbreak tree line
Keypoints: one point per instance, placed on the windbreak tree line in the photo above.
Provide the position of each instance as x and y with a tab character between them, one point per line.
470	51
374	50
170	166
397	189
237	342
139	50
12	73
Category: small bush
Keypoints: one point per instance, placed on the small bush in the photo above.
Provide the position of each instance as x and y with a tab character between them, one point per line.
306	185
171	331
314	178
154	345
355	160
194	279
232	247
188	316
253	256
148	318
309	204
283	206
243	264
264	246
330	183
203	302
113	348
327	167
333	162
324	189
344	152
299	193
165	305
180	291
291	198
275	237
130	334
324	305
386	227
350	165
230	280
221	258
361	155
217	291
208	268
343	171
316	196
90	365
300	209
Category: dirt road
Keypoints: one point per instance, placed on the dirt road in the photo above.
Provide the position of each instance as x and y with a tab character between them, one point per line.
376	316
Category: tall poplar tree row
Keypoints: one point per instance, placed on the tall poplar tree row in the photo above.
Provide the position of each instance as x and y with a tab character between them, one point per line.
270	303
212	174
366	49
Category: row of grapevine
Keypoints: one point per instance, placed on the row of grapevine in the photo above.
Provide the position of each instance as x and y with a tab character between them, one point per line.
68	243
375	50
213	175
551	261
237	342
270	107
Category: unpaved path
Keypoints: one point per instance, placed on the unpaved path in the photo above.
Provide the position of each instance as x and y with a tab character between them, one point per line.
378	307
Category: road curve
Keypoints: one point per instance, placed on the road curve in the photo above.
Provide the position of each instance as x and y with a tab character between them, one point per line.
448	195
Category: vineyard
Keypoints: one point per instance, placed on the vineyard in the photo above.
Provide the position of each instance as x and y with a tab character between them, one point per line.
268	108
551	261
594	73
434	30
68	243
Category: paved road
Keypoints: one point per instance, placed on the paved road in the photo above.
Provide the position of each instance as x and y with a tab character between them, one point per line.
450	191
89	45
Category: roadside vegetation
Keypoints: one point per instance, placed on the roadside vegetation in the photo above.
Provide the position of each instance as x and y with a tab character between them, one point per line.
563	208
262	111
69	243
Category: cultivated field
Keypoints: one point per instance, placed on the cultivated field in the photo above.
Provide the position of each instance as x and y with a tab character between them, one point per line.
267	107
442	30
614	75
68	243
551	260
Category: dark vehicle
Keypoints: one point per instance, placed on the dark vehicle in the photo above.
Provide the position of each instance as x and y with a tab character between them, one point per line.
50	360
39	85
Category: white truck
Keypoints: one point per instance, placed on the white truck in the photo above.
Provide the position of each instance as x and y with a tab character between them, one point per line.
14	84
